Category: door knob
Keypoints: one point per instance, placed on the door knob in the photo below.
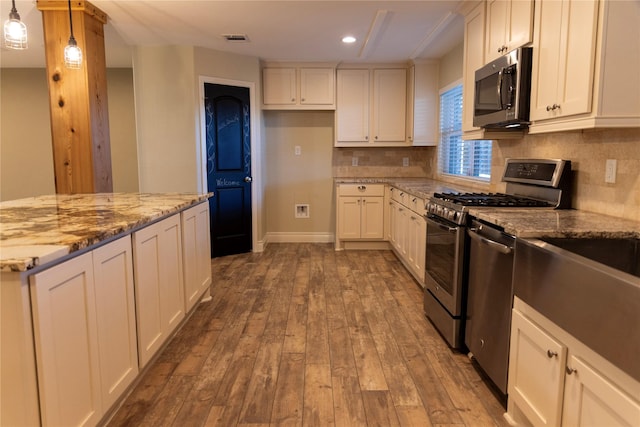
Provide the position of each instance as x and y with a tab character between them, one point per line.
247	179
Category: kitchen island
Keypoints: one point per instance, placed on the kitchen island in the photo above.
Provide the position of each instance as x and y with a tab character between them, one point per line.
92	287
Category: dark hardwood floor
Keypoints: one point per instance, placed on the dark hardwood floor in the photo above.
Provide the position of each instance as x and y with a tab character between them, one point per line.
303	335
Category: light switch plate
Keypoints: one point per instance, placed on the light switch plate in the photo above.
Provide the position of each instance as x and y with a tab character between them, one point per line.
298	150
405	162
354	161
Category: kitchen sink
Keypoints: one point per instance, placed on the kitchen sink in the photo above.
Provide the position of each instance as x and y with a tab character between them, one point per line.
620	254
589	287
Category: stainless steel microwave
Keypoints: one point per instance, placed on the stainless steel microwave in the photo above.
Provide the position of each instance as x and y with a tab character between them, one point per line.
502	91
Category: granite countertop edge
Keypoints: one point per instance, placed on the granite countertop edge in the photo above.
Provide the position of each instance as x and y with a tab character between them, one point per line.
73	223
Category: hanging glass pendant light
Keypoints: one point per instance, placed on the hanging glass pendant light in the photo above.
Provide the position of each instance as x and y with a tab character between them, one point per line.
15	32
72	52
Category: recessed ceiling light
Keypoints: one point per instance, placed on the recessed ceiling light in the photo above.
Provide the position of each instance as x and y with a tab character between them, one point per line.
348	39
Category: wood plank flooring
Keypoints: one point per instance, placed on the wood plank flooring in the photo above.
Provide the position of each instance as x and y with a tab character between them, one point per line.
303	335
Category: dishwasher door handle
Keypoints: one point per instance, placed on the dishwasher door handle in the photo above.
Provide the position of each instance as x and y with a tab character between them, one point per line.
504	249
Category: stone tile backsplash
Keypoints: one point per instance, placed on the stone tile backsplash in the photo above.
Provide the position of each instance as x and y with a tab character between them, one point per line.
384	162
588	151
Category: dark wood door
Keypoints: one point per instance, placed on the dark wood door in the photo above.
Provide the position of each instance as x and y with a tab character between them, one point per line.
228	168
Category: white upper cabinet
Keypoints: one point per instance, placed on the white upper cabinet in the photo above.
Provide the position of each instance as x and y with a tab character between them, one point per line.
371	107
509	26
298	87
423	104
586	65
473	59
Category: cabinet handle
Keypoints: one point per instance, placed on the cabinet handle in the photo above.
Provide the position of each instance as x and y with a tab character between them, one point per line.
366	138
362	187
414	199
376	137
401	194
553	107
551	354
570	370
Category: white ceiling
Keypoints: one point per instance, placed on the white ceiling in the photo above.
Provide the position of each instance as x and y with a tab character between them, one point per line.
303	30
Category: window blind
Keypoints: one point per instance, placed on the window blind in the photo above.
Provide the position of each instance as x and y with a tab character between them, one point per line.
455	156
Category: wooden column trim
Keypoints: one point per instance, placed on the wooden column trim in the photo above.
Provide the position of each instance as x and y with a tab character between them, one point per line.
78	98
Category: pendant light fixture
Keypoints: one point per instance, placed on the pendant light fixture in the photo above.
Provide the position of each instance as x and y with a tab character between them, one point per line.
15	32
72	52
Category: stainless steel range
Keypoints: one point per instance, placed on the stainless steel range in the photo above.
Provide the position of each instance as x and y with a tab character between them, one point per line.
466	304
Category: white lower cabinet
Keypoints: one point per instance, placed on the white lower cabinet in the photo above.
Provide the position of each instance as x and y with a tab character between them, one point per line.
157	251
360	212
554	380
408	231
85	334
66	341
116	318
196	253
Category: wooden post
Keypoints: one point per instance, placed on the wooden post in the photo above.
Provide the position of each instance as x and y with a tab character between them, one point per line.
78	98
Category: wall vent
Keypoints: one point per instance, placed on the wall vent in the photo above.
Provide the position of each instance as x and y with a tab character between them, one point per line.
236	38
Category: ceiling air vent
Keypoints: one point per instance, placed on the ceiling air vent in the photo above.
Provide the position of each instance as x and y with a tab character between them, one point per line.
236	38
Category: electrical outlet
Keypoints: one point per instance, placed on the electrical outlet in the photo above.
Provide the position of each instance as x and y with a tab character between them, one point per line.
405	162
354	161
298	150
610	171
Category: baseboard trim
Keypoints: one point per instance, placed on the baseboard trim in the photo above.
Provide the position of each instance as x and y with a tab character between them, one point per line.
293	237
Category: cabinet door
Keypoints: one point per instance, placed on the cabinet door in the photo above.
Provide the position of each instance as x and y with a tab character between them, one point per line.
116	318
536	371
590	399
519	24
473	59
393	223
419	244
158	283
196	253
509	24
564	58
349	217
66	342
279	86
317	86
496	23
403	230
577	60
372	218
389	105
352	106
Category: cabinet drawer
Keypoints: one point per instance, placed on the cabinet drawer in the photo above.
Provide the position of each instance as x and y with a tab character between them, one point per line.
416	204
361	190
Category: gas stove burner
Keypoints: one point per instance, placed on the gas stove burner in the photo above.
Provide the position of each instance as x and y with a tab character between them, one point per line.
490	199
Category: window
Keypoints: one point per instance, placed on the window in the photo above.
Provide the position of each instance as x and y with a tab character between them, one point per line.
455	156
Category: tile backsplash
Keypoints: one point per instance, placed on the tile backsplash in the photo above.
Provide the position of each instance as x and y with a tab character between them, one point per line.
382	162
588	151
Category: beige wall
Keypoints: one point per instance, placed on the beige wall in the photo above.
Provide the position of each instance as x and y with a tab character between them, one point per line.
588	151
122	130
451	66
165	96
26	156
303	179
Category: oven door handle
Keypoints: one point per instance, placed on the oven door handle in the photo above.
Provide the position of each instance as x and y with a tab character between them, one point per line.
504	249
442	226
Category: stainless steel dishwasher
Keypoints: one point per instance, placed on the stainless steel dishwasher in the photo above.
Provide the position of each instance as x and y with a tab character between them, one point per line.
490	298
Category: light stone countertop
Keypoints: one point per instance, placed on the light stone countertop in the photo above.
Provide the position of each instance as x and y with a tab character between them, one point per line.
532	222
522	222
35	231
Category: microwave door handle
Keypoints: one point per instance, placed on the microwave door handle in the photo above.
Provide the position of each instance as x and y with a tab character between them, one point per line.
500	78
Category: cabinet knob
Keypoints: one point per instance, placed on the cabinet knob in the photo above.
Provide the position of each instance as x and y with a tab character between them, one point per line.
293	99
302	100
376	137
570	370
366	138
551	354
